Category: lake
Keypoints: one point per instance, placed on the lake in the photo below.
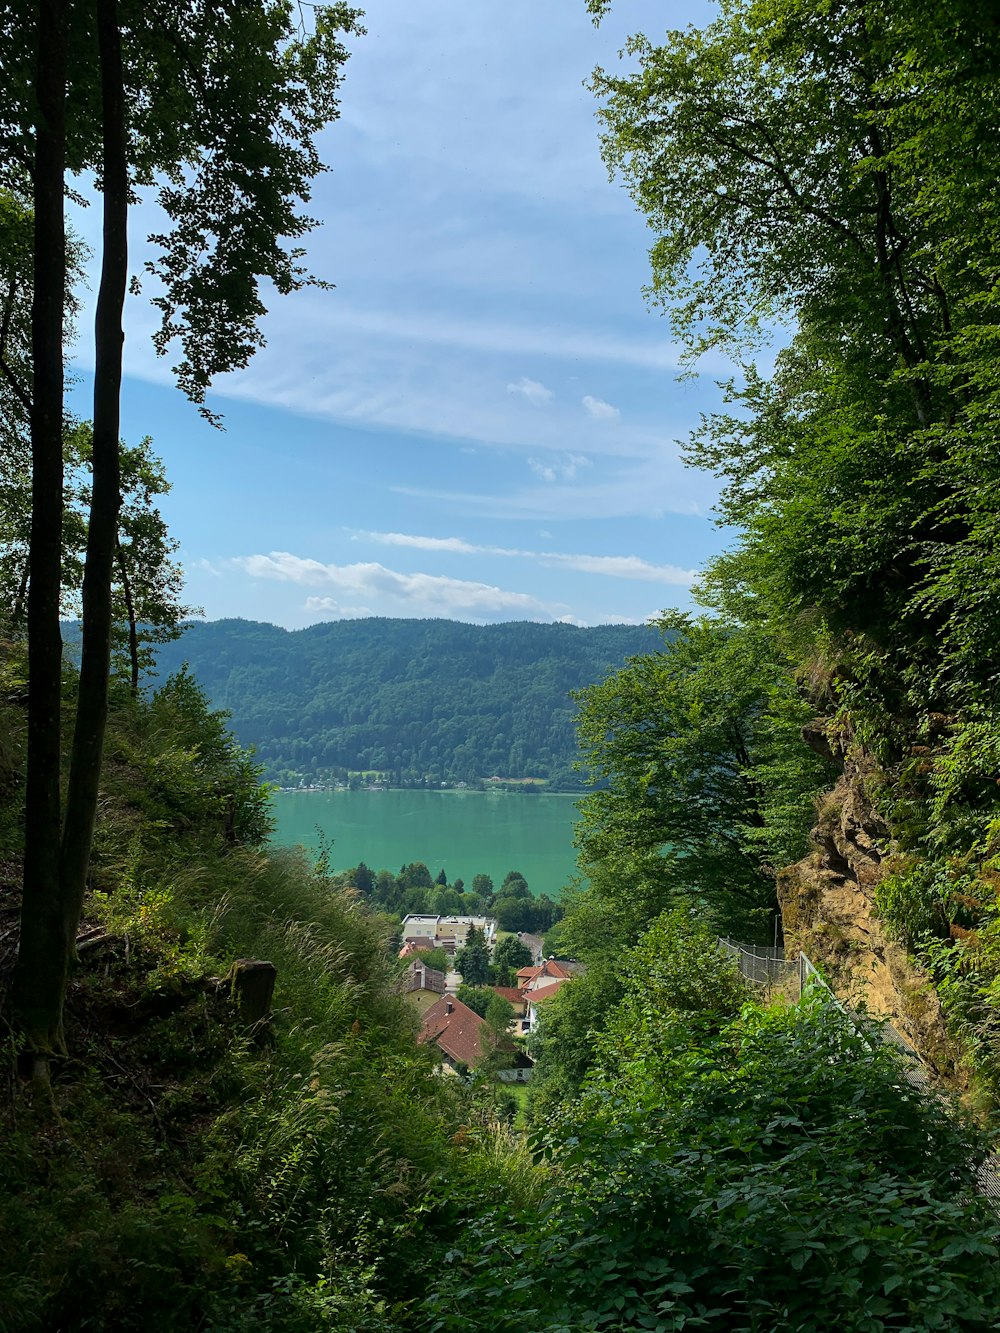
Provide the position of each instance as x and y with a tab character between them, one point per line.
464	832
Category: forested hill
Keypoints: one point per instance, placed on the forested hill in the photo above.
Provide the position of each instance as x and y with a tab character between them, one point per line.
416	699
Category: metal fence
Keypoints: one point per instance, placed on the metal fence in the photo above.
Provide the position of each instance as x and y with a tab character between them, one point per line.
798	976
761	964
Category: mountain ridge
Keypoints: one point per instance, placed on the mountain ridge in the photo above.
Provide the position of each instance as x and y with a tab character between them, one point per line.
420	700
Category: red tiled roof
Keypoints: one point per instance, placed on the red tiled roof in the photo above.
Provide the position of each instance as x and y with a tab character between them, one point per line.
454	1027
511	993
545	992
550	968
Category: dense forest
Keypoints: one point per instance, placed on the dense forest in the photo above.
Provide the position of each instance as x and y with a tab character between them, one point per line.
418	700
817	755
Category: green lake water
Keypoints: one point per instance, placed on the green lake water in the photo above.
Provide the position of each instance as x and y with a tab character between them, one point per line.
465	833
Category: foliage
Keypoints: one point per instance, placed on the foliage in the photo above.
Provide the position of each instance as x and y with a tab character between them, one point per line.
709	789
435	958
732	1167
476	997
196	1173
826	168
564	1043
510	952
418	701
411	891
495	1037
473	959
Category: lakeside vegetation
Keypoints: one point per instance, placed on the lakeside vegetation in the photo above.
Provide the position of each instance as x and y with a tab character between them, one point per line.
416	702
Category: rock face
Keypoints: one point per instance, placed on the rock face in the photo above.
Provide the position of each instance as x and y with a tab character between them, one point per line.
827	909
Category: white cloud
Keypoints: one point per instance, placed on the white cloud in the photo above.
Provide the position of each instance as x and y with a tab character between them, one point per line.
419	543
328	606
535	393
611	566
429	593
622	567
598	409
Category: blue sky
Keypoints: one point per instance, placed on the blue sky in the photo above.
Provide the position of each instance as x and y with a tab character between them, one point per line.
480	421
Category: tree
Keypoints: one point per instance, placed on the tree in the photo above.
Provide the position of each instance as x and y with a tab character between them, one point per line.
495	1036
364	880
828	165
512	914
436	958
483	885
233	154
708	786
510	952
16	240
415	875
441	878
475	998
825	166
473	959
514	886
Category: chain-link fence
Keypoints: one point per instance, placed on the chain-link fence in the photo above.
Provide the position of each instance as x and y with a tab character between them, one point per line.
761	964
768	967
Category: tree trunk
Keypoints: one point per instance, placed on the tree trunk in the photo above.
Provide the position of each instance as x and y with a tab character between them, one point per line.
40	973
102	534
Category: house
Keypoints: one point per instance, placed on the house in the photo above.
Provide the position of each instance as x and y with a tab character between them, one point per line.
535	943
455	1029
536	998
531	978
422	985
416	944
448	932
516	998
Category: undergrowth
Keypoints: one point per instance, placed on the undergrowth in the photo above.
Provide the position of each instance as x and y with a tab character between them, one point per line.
183	1171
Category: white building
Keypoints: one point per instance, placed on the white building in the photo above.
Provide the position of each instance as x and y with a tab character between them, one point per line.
448	932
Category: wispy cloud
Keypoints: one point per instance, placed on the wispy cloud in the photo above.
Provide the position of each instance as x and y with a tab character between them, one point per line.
558	469
623	567
535	392
611	566
599	410
494	335
433	593
329	606
649	487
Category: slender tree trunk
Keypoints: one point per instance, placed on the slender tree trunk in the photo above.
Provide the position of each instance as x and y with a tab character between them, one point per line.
40	972
102	534
133	627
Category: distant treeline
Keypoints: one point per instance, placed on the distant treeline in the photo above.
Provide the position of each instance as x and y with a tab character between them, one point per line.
419	701
413	891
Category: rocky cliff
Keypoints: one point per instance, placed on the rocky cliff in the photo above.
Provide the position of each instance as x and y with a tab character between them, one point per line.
827	907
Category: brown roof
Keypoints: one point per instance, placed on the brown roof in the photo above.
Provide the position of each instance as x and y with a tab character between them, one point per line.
454	1027
415	944
510	993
